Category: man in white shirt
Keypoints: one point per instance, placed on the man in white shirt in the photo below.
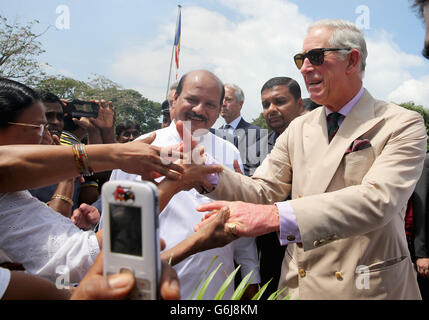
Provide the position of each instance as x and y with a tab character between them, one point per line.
197	101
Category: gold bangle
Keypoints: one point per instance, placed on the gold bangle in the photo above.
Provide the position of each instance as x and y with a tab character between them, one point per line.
64	198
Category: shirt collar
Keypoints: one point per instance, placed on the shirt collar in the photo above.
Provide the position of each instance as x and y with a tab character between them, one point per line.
235	123
349	106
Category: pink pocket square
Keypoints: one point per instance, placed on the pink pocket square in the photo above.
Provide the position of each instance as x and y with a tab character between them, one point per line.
357	145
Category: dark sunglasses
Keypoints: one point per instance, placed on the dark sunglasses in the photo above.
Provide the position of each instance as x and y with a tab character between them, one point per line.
315	56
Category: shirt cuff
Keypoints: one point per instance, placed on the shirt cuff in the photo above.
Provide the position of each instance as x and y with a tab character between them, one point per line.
212	178
289	231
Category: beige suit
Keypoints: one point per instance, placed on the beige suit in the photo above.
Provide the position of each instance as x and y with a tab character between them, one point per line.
350	208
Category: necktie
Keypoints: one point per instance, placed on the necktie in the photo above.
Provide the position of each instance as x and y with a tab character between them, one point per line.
227	126
333	124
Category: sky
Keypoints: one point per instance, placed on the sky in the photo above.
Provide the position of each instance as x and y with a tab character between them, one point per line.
245	42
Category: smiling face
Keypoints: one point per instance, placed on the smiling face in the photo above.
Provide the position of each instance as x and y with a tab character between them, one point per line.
280	107
199	100
325	83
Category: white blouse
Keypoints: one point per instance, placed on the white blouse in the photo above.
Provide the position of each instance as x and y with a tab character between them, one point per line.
42	240
4	280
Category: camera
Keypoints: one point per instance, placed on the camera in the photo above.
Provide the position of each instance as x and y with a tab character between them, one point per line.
131	234
78	108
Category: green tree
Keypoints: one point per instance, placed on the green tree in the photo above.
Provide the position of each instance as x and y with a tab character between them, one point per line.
420	109
128	103
19	50
260	122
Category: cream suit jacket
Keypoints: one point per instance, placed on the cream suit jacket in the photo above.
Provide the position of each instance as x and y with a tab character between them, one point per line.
350	208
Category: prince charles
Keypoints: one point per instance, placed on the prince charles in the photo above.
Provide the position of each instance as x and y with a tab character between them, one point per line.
344	226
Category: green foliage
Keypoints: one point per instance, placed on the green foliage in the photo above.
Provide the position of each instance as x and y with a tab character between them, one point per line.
239	291
19	49
128	103
420	109
260	122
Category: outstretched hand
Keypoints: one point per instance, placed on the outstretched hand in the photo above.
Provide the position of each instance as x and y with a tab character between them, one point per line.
245	219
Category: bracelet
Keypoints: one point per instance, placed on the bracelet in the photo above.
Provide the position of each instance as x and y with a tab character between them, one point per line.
81	160
64	198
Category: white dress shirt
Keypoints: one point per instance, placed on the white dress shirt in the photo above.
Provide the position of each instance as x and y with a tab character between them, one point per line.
233	125
4	281
180	216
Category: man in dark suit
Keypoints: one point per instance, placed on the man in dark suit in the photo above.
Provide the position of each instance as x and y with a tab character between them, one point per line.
417	228
248	135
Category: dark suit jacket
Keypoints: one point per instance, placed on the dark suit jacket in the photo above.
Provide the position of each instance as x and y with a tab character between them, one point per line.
252	145
420	200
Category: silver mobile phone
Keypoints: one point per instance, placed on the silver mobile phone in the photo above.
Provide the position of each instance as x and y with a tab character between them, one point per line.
131	234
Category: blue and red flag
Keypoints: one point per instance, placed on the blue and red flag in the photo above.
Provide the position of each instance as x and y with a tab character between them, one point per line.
177	41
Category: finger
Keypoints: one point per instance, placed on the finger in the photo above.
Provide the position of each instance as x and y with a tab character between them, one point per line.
56	139
237	167
170	289
212	169
103	104
215	205
110	105
185	134
149	139
162	242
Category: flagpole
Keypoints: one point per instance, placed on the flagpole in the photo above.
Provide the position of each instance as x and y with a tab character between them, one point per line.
172	53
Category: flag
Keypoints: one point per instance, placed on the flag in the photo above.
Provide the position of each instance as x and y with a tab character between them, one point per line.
177	41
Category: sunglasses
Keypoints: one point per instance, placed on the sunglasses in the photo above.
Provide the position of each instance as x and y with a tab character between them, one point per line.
315	56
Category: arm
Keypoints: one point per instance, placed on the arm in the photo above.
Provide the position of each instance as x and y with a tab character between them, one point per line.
62	196
29	166
23	286
213	235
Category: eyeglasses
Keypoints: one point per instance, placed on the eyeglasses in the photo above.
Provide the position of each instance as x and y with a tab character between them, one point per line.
315	56
40	126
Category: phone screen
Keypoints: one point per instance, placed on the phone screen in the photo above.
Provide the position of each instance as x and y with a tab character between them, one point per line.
125	230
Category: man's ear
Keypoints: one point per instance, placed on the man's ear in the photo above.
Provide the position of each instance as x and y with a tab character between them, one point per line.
354	58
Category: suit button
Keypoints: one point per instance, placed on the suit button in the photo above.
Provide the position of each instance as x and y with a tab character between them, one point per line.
339	275
290	238
302	273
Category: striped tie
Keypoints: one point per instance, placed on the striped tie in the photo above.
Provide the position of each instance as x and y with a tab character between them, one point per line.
333	124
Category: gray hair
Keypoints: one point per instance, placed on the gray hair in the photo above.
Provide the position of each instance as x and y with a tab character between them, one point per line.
345	35
239	94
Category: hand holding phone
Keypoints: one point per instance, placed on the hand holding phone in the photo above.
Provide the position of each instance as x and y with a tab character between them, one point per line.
131	234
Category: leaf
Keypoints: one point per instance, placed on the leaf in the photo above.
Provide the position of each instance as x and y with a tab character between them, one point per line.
202	277
261	291
206	284
238	293
226	284
276	294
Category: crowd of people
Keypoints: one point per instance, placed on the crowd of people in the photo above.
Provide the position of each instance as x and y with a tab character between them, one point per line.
329	203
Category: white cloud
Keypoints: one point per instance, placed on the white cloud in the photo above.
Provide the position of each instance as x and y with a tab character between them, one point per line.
254	46
412	90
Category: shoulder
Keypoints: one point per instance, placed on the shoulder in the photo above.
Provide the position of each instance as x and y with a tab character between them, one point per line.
246	125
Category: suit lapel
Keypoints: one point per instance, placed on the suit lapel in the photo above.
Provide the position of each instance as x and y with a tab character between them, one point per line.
360	120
